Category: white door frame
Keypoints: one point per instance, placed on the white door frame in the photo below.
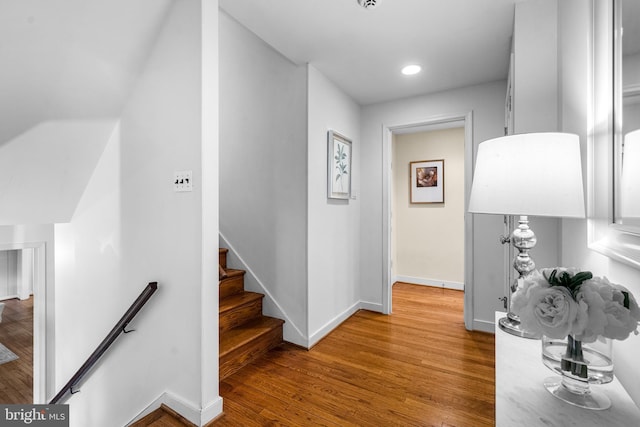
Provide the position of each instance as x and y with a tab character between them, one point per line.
466	120
42	330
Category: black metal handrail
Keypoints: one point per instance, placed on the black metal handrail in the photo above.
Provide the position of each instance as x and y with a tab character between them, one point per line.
106	343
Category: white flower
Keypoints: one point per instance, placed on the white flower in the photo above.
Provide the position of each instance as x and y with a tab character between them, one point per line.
553	312
564	301
591	297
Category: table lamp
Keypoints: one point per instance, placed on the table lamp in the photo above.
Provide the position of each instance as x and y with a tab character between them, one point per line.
537	174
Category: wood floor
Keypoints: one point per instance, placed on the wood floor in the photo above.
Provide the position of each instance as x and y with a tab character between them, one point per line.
417	367
16	333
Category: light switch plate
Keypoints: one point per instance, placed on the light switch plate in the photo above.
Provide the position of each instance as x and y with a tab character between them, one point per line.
182	181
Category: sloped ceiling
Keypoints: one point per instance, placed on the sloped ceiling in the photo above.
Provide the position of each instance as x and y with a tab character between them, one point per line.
71	59
457	42
67	68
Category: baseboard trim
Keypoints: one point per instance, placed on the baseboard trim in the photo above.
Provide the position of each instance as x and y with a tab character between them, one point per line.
484	326
199	417
332	324
430	282
371	306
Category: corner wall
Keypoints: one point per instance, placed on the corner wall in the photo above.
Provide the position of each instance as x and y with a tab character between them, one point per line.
333	225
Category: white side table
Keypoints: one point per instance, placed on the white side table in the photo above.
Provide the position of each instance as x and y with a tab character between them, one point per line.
522	400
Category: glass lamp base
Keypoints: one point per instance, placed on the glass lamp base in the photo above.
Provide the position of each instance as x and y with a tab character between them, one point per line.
512	326
583	398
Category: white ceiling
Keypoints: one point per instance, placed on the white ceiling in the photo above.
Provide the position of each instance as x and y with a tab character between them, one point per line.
457	42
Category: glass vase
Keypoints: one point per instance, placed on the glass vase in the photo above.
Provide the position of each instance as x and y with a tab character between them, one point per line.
580	365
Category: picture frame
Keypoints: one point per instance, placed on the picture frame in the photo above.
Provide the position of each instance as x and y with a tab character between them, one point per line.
426	181
338	166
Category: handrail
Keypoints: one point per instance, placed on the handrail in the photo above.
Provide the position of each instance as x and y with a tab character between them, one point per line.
104	345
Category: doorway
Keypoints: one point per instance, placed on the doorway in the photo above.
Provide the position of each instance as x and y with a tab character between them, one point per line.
32	258
464	121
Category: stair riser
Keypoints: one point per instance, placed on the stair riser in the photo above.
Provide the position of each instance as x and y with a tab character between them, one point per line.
242	356
239	315
231	286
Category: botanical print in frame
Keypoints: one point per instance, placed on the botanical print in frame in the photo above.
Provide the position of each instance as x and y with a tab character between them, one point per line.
426	181
339	166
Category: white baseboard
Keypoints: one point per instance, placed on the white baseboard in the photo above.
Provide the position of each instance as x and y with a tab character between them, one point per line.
484	326
199	417
336	321
332	324
430	282
371	306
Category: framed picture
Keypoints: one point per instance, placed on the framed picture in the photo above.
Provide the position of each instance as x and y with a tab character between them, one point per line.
339	166
426	181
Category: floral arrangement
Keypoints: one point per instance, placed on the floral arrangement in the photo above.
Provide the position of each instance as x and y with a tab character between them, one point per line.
565	302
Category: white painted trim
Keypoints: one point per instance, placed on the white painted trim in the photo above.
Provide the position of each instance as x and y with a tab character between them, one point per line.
332	324
211	412
484	326
43	322
186	409
290	331
436	283
466	119
371	306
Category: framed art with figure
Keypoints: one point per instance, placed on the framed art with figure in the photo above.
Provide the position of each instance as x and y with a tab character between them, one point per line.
426	181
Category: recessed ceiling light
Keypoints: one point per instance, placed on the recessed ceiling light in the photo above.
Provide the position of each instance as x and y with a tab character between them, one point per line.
411	69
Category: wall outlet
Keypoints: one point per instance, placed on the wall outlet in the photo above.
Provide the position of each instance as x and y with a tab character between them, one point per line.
182	181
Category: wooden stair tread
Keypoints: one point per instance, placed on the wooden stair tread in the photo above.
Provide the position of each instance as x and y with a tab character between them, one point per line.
232	272
236	300
245	333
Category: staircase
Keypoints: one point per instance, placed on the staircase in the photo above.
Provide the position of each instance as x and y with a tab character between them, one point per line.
245	334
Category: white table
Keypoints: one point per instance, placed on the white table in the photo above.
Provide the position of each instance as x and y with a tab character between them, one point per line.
522	400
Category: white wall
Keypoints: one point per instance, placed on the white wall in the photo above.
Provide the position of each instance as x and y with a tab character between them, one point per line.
535	101
44	170
333	225
131	228
487	104
575	33
429	238
263	171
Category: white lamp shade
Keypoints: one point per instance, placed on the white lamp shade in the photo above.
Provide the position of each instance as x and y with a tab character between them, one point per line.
630	177
537	174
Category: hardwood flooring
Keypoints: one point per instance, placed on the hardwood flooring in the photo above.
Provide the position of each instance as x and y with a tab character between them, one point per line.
417	367
16	333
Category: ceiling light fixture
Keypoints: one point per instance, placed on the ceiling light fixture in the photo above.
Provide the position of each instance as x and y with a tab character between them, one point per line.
410	70
368	4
